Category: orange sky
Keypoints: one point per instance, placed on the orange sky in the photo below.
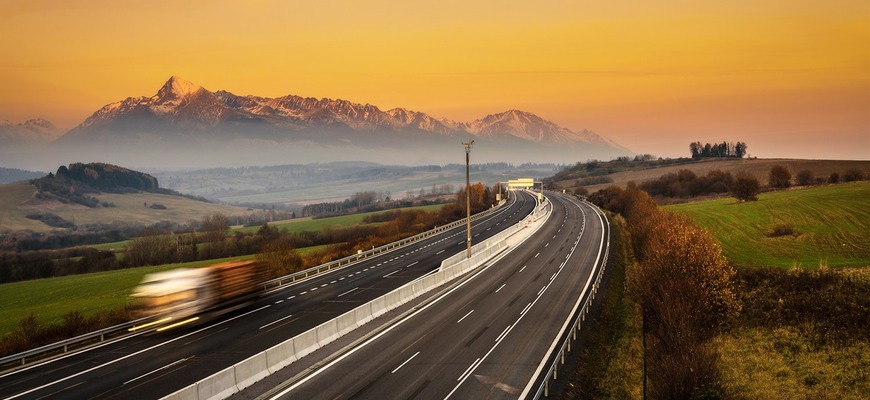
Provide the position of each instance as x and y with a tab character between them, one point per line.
790	78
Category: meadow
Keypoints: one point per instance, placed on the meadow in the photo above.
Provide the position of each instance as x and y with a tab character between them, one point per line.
830	224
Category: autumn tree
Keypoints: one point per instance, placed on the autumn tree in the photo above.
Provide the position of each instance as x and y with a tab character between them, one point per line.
745	187
683	285
280	258
779	177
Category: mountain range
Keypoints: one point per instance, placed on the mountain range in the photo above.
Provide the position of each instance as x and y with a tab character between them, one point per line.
186	125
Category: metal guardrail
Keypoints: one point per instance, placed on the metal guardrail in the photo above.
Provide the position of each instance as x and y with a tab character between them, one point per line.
22	359
558	355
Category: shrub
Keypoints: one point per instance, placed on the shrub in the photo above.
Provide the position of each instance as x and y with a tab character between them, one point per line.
745	188
779	177
834	178
853	175
783	230
805	177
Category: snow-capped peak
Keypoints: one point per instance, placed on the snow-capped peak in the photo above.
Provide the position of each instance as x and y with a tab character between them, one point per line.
176	87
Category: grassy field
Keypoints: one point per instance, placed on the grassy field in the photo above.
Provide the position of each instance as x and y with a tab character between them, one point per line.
831	225
316	225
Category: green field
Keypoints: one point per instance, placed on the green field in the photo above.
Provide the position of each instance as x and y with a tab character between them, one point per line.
49	299
831	226
316	225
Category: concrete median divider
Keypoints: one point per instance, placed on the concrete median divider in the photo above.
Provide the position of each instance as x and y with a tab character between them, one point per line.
280	356
327	332
251	370
305	343
363	314
218	386
345	323
233	379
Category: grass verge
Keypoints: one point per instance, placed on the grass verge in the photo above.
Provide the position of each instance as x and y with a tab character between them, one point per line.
830	224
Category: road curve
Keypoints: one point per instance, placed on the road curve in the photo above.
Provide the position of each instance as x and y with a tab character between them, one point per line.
487	337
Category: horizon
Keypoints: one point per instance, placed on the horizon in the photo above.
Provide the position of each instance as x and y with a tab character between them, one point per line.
792	80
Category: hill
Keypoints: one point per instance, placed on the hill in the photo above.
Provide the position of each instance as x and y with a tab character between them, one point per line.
619	173
79	195
806	227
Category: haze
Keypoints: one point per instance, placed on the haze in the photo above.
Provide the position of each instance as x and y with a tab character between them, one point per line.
790	78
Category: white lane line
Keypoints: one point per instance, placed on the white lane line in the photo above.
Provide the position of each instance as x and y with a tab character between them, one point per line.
524	267
391	273
279	301
439	252
324	285
158	369
547	245
554	275
291	297
412	264
313	289
542	291
406	361
536	255
463	317
348	291
276	321
303	293
528	306
469	369
504	332
332	282
132	354
500	287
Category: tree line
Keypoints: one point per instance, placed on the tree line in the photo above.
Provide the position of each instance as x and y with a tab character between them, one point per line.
718	150
684	288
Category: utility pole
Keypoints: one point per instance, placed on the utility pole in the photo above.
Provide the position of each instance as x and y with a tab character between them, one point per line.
468	193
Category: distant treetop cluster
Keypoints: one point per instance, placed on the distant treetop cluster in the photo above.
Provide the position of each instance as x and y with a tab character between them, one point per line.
718	150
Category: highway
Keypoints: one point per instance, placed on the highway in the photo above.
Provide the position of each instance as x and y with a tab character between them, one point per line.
151	365
486	338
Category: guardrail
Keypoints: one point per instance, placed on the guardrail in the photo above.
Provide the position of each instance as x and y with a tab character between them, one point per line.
245	373
558	355
22	359
343	262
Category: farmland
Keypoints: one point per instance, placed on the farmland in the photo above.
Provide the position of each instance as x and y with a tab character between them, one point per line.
830	226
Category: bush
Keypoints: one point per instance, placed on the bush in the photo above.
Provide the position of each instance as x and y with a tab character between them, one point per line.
157	206
834	178
745	188
783	230
779	177
853	175
805	178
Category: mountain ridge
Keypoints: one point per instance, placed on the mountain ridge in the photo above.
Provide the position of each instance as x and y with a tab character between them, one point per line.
185	125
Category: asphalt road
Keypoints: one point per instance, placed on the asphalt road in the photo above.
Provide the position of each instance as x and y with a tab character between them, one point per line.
151	365
487	337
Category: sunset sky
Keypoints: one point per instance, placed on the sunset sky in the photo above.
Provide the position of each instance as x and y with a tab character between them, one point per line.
791	78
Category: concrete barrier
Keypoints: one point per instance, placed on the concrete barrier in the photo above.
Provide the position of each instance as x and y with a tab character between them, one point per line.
379	306
327	332
280	356
363	314
305	342
251	370
345	323
218	386
392	300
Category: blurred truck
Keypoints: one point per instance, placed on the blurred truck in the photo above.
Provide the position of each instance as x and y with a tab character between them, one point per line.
187	292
